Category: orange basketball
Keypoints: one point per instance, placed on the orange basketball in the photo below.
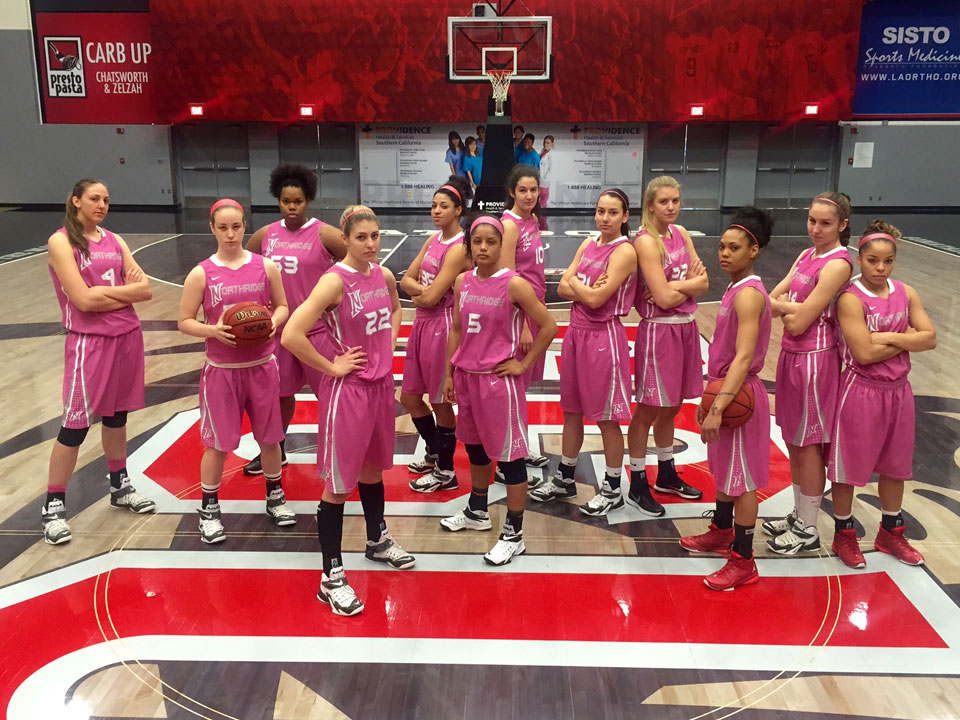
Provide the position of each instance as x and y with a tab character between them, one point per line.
250	323
738	411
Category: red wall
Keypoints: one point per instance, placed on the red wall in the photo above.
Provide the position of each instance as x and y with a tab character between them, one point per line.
616	60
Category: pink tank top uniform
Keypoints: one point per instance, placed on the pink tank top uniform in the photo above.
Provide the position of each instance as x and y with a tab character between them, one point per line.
363	318
675	267
822	333
301	257
529	255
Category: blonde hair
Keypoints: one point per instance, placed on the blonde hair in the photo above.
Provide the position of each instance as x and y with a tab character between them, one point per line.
71	220
354	214
647	221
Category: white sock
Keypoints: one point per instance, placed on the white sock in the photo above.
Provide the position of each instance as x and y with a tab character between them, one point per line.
809	510
638	463
665	454
612	471
796	499
572	462
891	513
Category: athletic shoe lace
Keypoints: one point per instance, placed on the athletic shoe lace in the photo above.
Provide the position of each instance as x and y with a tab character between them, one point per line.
393	551
343	595
210	526
135	499
599	501
55	527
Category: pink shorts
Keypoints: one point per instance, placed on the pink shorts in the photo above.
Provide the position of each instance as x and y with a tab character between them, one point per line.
595	372
492	411
807	395
873	431
740	458
356	429
102	375
224	395
667	364
535	373
425	366
294	373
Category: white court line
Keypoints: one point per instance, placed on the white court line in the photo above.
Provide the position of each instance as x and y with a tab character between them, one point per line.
157	242
393	250
929	247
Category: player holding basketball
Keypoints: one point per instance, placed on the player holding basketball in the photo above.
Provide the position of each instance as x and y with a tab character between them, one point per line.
235	379
358	301
303	248
667	360
429	282
595	357
808	371
882	321
484	377
739	458
97	282
523	252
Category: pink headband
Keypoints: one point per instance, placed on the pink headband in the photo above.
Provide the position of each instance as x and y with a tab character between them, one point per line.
226	202
362	208
741	227
614	192
452	189
876	236
487	220
843	213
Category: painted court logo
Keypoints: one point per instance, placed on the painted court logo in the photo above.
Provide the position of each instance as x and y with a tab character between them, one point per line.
65	77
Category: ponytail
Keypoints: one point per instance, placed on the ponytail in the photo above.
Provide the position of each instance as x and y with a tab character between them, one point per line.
71	220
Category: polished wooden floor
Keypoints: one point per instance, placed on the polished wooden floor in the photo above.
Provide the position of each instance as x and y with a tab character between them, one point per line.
602	618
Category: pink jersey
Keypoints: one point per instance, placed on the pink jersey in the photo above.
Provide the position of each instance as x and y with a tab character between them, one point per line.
364	318
889	314
490	324
593	264
225	287
724	346
430	267
822	333
104	267
674	268
300	255
529	258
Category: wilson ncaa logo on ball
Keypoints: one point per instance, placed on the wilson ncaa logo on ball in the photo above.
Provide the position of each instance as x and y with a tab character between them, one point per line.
65	76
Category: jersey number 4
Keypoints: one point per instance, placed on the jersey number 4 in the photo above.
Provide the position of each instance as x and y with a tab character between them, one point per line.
378	320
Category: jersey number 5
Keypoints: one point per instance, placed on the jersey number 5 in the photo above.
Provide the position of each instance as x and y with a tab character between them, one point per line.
378	320
473	322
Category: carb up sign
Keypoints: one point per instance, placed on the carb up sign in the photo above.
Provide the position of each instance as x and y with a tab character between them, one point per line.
94	67
909	60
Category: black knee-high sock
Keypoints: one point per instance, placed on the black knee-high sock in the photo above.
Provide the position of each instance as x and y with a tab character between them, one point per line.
428	431
330	533
447	441
723	517
371	498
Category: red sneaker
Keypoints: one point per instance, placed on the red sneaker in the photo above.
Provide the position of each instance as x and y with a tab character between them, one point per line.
713	540
846	546
738	571
894	543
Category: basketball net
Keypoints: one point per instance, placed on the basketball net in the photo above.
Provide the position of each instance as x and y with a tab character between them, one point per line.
500	80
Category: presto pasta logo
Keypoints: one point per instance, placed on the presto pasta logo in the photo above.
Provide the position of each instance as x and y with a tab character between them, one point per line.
65	78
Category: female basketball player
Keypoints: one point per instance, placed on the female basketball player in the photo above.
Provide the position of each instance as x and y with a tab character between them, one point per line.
595	357
234	379
882	321
667	358
97	282
482	376
808	371
739	458
429	282
358	301
523	252
303	248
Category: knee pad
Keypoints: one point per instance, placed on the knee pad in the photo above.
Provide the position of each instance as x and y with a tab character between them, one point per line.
477	455
115	421
72	437
514	472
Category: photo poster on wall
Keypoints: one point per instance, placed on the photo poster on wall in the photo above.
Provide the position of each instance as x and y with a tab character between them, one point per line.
94	67
909	60
403	165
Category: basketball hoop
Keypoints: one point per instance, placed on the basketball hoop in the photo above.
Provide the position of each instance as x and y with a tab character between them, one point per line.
500	80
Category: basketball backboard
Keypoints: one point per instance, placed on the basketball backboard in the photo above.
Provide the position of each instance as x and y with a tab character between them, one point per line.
521	45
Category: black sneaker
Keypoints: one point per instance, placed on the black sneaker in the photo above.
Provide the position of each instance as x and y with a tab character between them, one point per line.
645	503
253	467
669	481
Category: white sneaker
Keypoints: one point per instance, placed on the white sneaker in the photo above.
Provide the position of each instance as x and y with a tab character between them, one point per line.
278	510
603	502
211	529
337	593
53	520
553	489
128	498
467	519
389	551
436	480
794	540
780	525
422	467
505	549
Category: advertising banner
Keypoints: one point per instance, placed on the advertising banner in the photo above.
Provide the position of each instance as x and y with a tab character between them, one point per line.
94	67
402	165
909	61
